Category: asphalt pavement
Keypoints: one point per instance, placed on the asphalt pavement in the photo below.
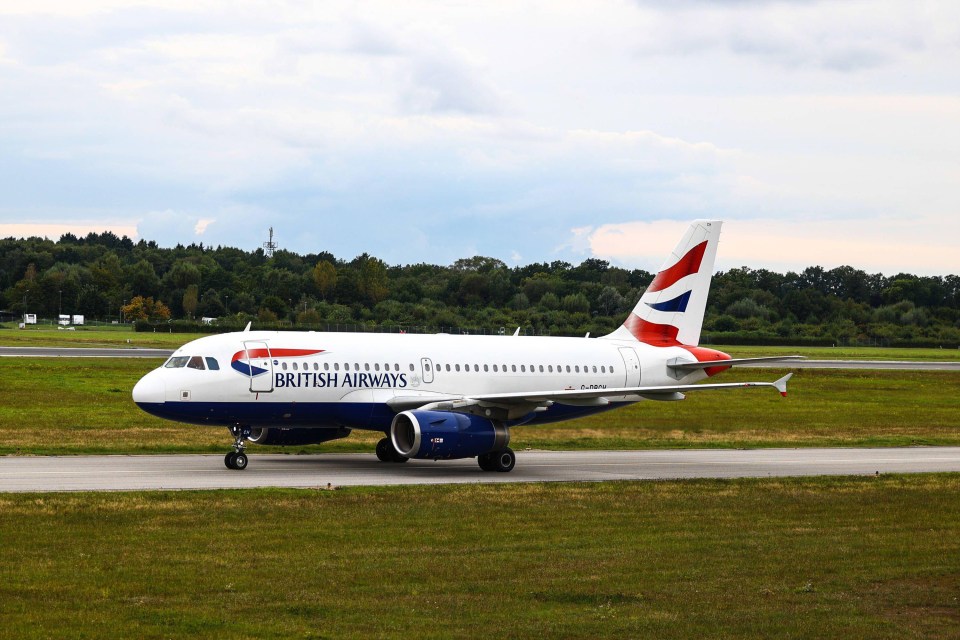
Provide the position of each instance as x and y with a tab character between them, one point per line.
129	473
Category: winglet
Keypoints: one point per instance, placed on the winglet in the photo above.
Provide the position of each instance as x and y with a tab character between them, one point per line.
781	384
247	328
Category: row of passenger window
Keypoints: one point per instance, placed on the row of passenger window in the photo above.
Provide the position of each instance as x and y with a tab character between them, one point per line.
199	362
487	368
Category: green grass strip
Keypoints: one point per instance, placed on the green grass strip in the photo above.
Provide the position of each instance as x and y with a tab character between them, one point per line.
790	558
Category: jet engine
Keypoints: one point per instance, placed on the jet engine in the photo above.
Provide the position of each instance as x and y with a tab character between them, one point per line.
288	437
445	434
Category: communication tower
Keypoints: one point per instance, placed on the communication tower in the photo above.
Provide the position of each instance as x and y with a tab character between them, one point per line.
270	246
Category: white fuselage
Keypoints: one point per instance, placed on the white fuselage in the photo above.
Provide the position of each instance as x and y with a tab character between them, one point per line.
303	379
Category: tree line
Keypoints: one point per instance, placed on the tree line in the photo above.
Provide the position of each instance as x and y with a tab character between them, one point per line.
112	278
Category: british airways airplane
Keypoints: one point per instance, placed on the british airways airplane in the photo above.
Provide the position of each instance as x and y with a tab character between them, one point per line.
446	396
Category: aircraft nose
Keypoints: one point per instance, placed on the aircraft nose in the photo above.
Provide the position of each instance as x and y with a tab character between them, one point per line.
150	390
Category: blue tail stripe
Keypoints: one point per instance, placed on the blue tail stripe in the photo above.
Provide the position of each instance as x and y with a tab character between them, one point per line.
677	304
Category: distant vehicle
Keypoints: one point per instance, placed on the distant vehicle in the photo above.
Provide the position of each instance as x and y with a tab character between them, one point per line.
446	396
30	318
77	319
64	320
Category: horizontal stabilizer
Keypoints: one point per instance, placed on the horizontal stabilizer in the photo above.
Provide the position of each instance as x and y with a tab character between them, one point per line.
678	365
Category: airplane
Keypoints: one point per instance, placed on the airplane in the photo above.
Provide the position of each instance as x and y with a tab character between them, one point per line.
446	396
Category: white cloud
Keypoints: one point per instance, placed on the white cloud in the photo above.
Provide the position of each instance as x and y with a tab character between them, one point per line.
884	245
356	125
53	230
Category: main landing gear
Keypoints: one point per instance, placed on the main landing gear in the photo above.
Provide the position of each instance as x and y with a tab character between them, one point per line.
502	461
387	453
237	459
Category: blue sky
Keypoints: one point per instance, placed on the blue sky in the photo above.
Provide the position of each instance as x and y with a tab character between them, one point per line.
821	132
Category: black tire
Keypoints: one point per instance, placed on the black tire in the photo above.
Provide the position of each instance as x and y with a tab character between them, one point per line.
504	461
485	460
384	450
229	461
240	461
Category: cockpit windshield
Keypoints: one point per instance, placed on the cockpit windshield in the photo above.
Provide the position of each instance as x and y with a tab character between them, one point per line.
192	362
177	362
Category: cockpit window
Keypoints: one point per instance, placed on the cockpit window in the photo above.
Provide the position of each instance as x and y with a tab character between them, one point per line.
212	364
196	362
176	362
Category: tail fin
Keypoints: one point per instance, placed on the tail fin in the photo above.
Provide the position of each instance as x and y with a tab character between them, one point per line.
670	312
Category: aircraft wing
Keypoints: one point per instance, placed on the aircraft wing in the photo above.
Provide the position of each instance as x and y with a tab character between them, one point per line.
515	405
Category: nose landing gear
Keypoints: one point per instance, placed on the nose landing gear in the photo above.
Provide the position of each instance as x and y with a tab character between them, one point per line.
237	459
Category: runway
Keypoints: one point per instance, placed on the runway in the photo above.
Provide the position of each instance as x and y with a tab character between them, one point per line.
133	473
84	352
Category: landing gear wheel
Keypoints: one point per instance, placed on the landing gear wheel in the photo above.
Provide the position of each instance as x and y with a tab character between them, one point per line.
240	461
237	459
387	453
503	461
384	449
485	460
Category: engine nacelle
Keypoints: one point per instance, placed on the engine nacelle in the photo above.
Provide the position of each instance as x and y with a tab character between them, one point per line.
289	437
445	434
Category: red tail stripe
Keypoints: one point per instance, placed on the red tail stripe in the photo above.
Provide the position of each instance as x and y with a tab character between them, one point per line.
279	353
689	263
661	335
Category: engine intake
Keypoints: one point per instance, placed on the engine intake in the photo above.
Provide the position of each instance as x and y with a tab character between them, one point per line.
445	434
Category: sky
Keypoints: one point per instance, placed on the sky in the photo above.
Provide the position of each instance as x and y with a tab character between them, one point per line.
821	133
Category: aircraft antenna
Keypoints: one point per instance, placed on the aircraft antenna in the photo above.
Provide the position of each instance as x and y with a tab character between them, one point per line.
270	246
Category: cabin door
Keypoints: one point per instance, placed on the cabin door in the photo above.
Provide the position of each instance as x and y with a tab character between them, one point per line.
259	366
631	364
427	370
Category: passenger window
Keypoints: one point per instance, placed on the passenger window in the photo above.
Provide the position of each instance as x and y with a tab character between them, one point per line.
594	368
611	369
457	367
523	368
577	369
603	368
212	364
550	368
485	369
295	367
176	362
196	362
568	368
376	366
476	368
448	367
326	366
366	366
426	367
495	370
411	367
541	368
284	366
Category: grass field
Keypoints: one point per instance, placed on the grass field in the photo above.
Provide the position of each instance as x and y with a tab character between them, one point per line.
803	558
83	405
786	558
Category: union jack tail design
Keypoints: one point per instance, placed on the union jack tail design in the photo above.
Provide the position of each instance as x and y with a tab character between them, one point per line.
670	312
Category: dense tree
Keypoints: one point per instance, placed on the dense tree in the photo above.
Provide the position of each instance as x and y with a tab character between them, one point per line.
97	274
